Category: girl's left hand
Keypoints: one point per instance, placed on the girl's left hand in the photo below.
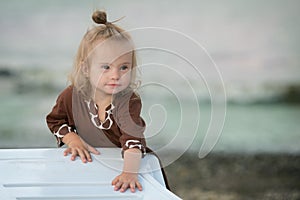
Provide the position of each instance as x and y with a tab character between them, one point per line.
127	180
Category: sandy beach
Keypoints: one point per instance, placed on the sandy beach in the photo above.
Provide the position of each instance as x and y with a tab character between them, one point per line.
233	177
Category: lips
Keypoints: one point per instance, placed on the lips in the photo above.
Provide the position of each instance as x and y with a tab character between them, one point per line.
113	85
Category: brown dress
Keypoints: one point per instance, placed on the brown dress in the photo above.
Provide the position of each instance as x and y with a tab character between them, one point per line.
123	126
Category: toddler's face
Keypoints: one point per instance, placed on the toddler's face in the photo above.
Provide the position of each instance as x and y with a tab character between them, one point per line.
110	66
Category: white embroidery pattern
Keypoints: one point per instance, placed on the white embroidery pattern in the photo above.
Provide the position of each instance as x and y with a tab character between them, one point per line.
57	134
94	117
136	143
133	145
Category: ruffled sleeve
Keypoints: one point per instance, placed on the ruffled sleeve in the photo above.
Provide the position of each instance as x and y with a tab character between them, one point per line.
60	120
131	124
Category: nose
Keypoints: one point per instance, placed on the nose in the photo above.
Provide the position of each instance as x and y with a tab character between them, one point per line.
115	74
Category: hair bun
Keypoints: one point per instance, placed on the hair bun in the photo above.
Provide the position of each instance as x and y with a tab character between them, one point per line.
99	17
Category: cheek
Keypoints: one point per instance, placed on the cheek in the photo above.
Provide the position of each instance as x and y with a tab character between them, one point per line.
96	76
126	77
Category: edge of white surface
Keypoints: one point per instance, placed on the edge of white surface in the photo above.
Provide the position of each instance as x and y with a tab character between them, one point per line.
55	154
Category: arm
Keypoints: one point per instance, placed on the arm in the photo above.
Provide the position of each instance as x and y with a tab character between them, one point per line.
60	120
132	141
131	124
61	123
129	177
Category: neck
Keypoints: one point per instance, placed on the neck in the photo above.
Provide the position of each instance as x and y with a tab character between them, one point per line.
102	100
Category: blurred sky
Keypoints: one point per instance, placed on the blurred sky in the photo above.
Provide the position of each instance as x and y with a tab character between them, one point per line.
252	42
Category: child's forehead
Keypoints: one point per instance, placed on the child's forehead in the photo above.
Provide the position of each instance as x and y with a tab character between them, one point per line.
111	49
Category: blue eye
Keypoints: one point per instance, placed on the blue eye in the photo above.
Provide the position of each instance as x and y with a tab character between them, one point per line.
105	67
124	67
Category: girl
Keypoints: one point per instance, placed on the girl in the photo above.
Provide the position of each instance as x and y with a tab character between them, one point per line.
100	107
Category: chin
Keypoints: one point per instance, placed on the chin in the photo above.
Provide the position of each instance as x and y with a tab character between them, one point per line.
115	91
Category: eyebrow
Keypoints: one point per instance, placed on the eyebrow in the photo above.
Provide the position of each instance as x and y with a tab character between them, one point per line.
128	63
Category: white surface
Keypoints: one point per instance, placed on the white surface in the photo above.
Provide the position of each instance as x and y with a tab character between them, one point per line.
31	174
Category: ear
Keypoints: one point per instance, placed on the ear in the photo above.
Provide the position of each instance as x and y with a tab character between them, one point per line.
85	69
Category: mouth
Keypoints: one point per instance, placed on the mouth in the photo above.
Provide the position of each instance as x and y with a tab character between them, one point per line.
113	85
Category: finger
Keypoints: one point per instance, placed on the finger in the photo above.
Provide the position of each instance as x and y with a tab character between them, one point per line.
74	154
115	181
88	156
132	187
124	187
139	186
93	150
82	156
67	151
118	185
89	147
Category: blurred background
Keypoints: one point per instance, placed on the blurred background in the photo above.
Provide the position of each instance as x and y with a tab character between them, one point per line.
255	45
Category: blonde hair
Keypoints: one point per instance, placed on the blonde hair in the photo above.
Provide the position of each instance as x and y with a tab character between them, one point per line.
92	37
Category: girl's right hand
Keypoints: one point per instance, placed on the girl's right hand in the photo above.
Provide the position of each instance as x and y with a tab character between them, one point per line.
78	147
